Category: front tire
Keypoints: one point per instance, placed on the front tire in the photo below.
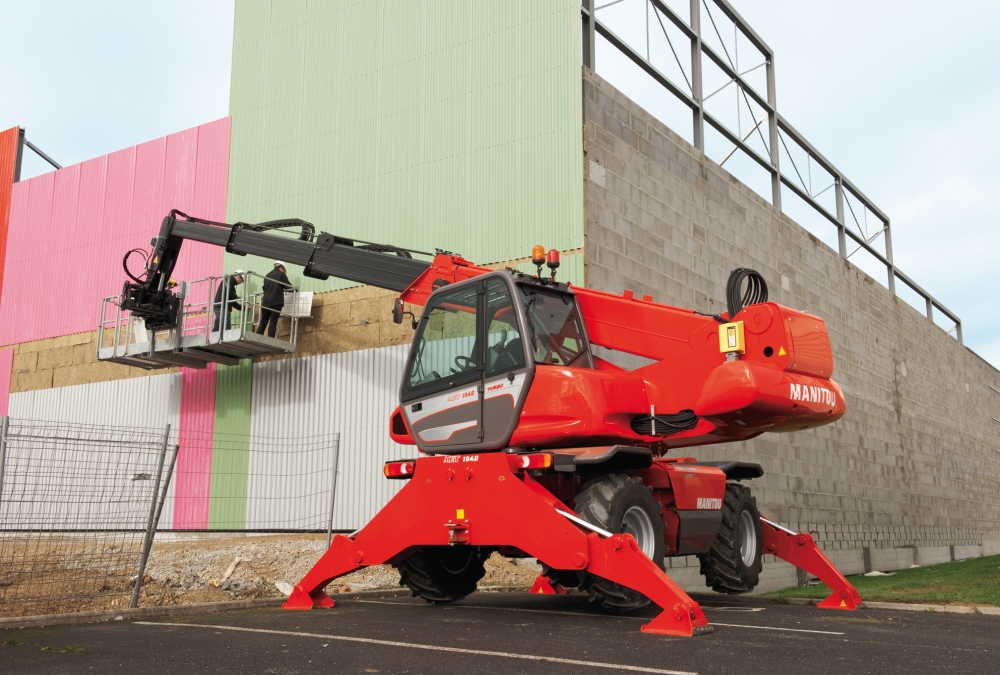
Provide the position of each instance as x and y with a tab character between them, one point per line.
443	574
733	563
619	503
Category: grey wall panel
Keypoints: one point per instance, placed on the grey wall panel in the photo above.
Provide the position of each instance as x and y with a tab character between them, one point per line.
148	402
351	393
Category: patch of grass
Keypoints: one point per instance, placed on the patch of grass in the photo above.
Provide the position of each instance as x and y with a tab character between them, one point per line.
48	649
73	648
967	582
14	642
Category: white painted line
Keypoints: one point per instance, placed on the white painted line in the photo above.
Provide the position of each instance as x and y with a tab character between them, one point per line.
433	648
595	616
509	609
792	630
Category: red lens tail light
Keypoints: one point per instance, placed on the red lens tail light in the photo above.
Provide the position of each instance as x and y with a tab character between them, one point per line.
402	469
538	460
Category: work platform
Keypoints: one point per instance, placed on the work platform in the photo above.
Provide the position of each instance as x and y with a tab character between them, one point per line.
202	335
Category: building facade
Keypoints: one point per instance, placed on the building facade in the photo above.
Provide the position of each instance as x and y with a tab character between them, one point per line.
471	127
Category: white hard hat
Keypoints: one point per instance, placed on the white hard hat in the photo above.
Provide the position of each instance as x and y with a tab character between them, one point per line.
238	273
278	263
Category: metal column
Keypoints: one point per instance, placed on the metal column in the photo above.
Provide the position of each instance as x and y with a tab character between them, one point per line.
772	133
589	37
4	426
698	134
147	541
841	225
333	491
891	267
20	155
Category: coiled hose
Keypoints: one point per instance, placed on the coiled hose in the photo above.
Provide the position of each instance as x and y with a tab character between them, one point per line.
737	298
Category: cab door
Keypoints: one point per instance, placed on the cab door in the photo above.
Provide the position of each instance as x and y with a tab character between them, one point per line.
441	391
506	372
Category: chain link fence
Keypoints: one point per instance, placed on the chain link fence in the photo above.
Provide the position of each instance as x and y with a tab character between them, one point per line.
80	505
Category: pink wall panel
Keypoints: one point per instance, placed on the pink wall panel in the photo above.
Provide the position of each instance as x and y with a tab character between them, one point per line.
6	364
194	459
70	228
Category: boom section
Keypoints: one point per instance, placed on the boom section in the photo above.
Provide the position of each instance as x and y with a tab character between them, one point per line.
322	256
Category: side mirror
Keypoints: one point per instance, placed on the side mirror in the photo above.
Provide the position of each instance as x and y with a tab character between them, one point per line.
397	311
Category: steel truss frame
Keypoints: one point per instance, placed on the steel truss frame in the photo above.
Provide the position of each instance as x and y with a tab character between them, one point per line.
779	131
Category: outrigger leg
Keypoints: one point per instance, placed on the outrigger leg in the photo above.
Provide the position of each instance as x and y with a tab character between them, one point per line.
800	549
491	504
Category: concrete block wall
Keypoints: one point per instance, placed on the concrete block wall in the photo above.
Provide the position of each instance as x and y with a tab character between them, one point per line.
911	474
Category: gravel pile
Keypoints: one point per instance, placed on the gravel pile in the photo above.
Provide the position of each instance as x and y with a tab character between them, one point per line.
201	570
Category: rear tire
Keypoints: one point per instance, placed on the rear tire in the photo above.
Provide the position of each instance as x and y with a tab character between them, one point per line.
443	574
733	563
619	503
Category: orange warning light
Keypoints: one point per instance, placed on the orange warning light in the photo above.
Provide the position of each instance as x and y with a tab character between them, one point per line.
538	255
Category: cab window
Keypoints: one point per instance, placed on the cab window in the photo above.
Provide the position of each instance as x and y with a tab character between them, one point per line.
505	348
447	353
557	336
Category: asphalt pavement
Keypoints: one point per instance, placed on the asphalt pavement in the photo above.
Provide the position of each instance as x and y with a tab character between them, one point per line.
513	633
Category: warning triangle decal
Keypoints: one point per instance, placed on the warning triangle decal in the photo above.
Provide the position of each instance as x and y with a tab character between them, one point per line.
781	351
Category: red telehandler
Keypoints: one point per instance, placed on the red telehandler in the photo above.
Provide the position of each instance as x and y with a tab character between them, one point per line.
530	444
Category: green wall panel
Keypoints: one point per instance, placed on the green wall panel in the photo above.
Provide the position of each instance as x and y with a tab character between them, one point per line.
230	448
441	123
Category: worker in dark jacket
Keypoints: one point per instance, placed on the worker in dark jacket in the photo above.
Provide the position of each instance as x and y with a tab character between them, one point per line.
230	282
275	285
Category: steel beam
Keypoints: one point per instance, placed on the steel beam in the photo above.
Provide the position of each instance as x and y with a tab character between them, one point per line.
698	112
841	225
589	38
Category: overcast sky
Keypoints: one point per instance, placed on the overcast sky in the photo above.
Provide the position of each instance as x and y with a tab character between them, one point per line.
904	97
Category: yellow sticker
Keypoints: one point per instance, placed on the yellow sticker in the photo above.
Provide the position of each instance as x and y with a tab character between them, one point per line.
843	604
460	514
781	351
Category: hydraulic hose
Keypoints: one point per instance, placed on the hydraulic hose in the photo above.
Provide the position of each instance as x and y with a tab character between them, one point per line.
737	298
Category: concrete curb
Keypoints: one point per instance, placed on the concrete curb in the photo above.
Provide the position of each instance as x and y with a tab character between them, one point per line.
172	610
909	607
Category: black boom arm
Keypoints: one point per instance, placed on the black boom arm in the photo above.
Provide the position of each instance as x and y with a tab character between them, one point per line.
322	256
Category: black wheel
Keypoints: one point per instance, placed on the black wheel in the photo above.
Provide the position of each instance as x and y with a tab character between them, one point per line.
565	578
443	573
733	563
619	503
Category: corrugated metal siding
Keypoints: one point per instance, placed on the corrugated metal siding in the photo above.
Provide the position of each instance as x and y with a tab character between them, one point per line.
8	158
194	461
352	393
6	363
434	124
70	228
151	402
230	447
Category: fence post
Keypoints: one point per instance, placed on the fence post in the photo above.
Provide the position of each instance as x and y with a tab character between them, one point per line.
333	491
4	425
147	541
163	492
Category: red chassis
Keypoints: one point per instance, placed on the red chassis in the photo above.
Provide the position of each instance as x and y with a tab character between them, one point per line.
780	381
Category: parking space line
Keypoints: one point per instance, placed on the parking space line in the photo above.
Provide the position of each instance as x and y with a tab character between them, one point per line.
434	648
599	616
792	630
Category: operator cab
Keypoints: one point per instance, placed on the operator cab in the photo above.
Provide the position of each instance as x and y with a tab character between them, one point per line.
474	355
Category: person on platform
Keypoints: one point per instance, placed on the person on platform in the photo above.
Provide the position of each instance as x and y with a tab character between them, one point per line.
275	285
232	302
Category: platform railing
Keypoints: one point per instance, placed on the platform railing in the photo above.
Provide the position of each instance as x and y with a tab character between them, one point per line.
201	327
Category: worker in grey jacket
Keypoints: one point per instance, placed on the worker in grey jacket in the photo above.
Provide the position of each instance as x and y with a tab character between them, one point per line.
275	285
